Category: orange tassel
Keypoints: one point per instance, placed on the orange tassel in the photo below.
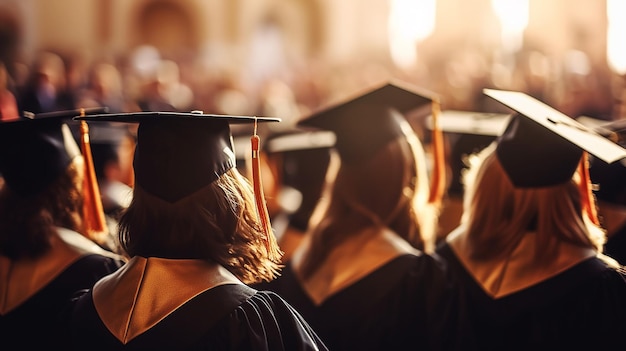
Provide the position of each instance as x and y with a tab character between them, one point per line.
589	202
438	181
259	197
93	212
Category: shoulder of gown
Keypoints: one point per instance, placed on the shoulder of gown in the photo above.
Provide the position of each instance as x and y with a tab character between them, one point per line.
228	317
405	302
582	307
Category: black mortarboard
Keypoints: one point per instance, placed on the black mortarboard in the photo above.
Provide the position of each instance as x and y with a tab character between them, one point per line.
609	178
367	122
296	140
304	158
467	132
471	122
36	149
542	146
179	153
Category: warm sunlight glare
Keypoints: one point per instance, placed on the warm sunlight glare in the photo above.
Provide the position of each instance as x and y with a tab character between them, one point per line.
410	21
513	17
616	35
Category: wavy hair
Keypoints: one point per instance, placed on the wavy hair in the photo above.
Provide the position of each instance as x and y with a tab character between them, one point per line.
217	223
497	214
27	223
390	189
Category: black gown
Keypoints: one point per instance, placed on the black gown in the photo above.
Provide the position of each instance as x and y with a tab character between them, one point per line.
228	317
34	325
403	305
615	246
581	308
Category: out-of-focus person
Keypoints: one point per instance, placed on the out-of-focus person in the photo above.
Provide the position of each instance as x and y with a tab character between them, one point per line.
527	256
610	181
111	148
45	255
465	133
297	163
361	276
46	89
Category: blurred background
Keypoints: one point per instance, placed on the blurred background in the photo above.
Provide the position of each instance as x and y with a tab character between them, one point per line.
286	58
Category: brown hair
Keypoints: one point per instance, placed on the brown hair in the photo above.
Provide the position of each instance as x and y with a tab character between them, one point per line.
497	214
389	189
217	223
26	223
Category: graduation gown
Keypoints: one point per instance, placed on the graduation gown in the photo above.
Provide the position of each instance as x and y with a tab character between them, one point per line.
402	305
616	245
35	293
582	307
166	304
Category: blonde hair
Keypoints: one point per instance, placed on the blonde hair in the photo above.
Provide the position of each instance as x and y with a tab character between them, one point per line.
390	189
497	214
217	223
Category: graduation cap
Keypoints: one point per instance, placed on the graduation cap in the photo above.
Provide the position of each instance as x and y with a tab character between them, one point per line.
302	158
610	178
471	122
366	123
37	148
294	141
542	146
467	132
179	153
612	130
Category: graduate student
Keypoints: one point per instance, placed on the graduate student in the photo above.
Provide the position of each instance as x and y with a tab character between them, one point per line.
45	253
196	233
297	161
465	133
528	252
361	277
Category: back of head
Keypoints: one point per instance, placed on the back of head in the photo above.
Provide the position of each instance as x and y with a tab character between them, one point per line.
389	188
498	213
189	200
41	165
535	179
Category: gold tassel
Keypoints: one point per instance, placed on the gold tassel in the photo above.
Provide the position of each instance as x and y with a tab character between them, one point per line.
259	197
438	181
589	202
93	212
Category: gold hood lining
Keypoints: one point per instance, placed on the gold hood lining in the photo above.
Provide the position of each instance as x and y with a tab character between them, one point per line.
519	271
146	290
20	280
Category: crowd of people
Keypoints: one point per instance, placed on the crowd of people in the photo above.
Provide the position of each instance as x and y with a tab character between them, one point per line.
325	233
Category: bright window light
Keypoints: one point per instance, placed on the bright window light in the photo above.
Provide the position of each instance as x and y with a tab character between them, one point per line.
410	21
616	35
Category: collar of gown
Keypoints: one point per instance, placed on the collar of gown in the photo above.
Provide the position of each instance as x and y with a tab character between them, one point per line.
350	261
20	280
146	290
519	270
